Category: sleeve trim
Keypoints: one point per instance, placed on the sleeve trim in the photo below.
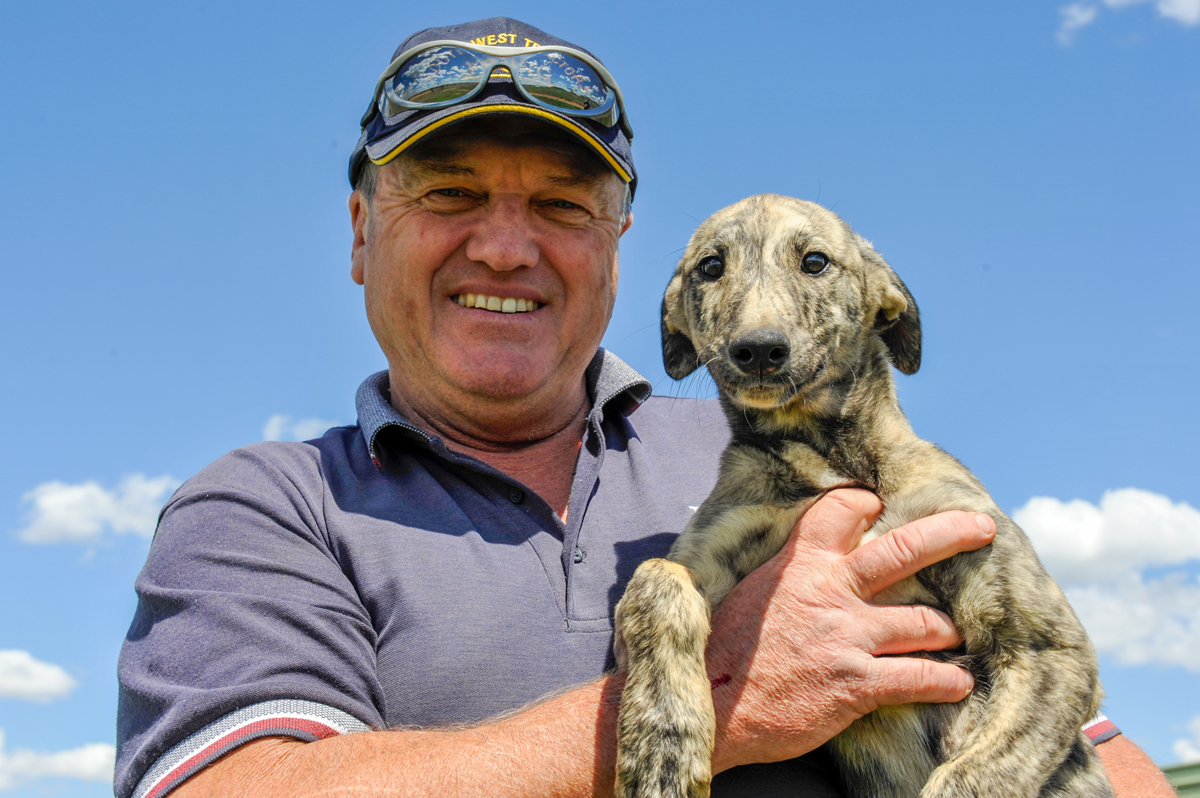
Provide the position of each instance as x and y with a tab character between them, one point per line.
302	720
1100	729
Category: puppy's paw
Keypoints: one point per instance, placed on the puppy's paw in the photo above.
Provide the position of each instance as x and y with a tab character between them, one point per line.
666	726
663	757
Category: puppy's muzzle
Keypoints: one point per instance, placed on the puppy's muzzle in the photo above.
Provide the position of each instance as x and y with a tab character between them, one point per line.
760	352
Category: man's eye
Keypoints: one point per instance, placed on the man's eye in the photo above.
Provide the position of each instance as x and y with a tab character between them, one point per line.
450	192
564	205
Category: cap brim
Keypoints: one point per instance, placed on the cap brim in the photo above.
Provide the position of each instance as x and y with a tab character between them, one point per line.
391	146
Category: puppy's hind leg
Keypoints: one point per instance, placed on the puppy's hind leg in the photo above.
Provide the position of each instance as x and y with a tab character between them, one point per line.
666	726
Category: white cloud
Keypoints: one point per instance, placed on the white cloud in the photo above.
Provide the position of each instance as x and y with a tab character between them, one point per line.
283	428
1131	529
1140	621
1184	11
1074	17
1081	14
82	513
1189	750
92	762
1099	554
22	676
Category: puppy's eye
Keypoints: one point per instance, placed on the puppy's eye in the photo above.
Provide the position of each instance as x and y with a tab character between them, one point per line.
814	263
711	267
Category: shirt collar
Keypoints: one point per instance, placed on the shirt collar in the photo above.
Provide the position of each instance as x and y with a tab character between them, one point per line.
610	383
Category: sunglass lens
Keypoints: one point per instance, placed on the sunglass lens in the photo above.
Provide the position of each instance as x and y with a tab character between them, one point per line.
562	81
439	75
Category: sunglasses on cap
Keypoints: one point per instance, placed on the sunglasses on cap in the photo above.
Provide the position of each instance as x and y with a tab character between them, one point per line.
442	73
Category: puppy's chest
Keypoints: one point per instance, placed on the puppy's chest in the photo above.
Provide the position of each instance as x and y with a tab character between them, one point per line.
817	473
813	473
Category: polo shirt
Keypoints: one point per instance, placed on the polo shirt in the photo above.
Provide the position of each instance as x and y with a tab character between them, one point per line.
374	579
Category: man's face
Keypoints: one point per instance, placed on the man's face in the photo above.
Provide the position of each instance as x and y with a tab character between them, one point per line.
499	220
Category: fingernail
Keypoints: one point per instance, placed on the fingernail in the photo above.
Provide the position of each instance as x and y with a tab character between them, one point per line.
986	525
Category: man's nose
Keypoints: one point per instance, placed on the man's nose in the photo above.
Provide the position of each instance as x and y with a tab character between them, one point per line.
504	238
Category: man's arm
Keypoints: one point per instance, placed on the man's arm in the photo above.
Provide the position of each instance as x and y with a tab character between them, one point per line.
559	747
1132	773
775	638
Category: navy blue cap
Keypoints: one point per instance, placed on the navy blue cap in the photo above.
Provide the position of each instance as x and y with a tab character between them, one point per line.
384	138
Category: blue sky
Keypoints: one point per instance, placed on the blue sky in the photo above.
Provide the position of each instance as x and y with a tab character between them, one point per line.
174	277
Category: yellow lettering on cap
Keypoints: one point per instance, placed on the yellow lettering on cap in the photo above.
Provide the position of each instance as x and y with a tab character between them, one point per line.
478	40
531	43
491	39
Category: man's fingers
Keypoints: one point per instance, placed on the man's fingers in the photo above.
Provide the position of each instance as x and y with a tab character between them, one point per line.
907	549
903	630
913	680
838	519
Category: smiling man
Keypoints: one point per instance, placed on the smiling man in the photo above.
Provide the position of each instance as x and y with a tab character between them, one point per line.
422	603
523	224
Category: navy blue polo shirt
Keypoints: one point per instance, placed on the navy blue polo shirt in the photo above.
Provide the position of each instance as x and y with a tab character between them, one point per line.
372	578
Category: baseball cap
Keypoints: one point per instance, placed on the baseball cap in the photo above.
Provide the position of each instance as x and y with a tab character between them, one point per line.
385	137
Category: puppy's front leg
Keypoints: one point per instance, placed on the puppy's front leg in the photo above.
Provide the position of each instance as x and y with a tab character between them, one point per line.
666	726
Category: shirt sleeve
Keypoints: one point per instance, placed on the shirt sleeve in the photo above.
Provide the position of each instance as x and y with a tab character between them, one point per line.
246	626
1100	728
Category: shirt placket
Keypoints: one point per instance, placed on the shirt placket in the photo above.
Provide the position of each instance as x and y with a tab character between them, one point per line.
574	556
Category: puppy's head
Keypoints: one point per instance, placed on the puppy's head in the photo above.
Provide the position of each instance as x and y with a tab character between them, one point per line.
779	298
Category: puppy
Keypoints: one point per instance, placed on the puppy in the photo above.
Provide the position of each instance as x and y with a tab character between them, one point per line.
799	321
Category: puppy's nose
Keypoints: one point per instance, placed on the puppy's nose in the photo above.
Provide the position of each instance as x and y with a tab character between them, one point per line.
760	351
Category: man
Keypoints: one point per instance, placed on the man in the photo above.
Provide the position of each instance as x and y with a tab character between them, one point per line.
445	571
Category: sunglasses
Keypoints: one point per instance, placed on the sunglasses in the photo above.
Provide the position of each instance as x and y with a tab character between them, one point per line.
443	73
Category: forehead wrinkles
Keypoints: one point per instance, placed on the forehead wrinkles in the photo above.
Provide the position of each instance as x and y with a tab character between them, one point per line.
481	157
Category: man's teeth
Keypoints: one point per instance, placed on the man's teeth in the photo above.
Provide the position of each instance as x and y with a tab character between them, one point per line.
496	303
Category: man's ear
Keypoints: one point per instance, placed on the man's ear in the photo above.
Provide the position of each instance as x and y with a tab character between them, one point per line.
679	356
360	209
627	223
897	319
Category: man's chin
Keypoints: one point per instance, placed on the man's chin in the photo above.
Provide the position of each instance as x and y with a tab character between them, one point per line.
500	374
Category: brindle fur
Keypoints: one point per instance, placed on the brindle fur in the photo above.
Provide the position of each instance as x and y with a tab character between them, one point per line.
828	417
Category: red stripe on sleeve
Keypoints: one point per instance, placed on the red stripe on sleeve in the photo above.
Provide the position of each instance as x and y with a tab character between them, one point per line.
309	727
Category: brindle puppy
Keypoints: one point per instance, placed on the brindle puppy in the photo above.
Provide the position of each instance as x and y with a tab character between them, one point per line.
798	320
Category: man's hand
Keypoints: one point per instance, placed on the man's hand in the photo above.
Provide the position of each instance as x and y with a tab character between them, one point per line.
798	639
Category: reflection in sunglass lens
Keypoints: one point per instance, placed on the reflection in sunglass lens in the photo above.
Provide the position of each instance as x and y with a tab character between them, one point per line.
438	75
562	81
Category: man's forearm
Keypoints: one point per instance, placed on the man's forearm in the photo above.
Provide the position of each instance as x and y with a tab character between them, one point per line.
562	746
1132	773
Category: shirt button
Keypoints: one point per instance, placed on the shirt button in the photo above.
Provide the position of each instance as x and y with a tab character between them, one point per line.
516	495
578	555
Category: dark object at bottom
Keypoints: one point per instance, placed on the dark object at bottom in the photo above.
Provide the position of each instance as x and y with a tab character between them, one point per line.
809	776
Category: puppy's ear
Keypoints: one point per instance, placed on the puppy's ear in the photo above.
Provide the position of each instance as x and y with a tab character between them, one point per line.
679	356
897	320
